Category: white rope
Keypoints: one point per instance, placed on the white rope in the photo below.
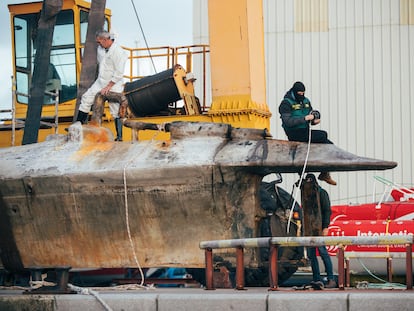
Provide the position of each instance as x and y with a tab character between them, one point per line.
384	285
128	229
127	220
300	181
38	284
88	291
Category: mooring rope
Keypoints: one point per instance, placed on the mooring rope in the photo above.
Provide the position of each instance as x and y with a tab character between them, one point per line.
131	242
384	285
128	228
88	291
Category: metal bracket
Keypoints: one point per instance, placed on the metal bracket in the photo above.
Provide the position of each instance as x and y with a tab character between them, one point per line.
61	287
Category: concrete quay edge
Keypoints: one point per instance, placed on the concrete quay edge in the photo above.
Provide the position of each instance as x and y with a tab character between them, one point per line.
257	299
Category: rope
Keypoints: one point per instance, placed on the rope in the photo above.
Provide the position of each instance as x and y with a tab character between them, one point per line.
384	285
128	228
143	35
38	284
88	291
300	180
127	220
387	231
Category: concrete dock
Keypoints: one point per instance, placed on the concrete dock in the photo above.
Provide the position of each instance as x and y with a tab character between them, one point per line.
169	299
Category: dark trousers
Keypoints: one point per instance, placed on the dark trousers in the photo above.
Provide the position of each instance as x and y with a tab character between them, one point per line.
315	265
317	136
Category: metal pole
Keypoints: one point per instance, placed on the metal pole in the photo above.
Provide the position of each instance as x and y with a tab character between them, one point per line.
62	278
56	111
341	269
273	273
209	268
14	94
347	273
409	266
239	268
389	269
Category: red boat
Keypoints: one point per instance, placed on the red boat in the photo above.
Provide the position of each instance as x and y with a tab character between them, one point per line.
392	215
391	210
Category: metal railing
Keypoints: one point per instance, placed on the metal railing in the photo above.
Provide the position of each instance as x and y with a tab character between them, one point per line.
386	256
12	111
275	242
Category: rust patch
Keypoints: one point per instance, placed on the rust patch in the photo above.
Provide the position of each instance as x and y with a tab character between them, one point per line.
89	148
94	139
96	135
165	144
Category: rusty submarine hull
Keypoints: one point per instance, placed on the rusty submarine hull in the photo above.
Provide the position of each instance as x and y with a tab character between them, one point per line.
85	201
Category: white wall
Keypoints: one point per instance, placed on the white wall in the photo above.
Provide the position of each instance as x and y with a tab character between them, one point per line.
356	58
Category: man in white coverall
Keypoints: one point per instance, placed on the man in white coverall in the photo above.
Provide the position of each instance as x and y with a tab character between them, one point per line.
112	59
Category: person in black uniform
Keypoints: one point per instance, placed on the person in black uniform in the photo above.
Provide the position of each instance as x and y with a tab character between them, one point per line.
323	202
297	116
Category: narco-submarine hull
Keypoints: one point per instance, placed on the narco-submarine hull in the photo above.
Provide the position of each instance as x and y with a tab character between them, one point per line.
84	201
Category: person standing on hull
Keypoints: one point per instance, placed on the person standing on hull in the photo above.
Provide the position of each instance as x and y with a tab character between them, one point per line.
297	116
317	208
111	59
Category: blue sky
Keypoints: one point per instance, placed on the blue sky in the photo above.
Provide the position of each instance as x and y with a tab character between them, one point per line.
165	22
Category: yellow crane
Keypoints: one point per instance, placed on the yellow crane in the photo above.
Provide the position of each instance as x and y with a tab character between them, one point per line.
235	52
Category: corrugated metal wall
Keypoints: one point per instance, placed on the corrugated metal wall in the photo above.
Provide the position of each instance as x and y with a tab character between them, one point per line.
356	58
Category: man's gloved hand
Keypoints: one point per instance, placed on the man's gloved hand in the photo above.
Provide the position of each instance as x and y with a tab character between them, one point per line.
314	117
316	114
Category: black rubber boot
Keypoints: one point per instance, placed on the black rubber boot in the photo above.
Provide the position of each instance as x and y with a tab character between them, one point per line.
82	117
118	128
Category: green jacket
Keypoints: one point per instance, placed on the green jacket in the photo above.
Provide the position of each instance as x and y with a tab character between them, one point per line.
293	113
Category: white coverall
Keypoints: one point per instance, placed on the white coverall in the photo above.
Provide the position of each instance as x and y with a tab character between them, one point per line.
111	68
